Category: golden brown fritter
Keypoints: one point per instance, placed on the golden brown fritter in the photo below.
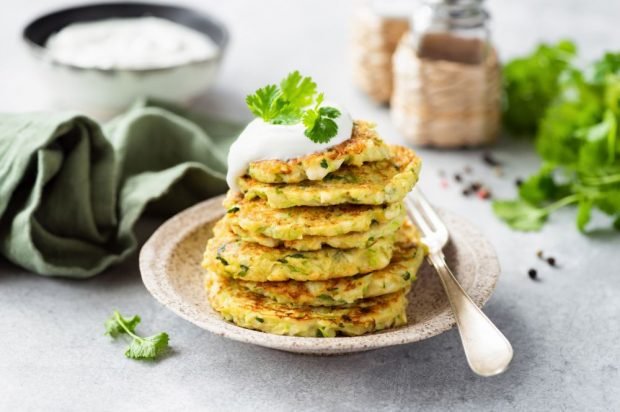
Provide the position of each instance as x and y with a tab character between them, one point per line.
252	311
386	181
363	146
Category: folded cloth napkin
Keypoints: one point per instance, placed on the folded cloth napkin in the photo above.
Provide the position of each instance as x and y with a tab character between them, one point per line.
72	190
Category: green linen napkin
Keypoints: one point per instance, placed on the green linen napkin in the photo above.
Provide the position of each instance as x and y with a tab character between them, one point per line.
72	190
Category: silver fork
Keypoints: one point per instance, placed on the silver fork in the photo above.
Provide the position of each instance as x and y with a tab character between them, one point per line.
487	350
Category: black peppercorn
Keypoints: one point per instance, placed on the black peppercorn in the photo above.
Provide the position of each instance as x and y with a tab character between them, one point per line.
490	160
532	273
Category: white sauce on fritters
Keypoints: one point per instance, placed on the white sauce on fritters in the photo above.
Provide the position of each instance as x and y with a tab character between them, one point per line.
130	44
265	141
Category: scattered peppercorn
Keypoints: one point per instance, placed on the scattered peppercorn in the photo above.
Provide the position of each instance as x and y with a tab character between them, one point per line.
458	178
539	253
466	192
475	186
551	261
532	273
518	182
483	193
488	158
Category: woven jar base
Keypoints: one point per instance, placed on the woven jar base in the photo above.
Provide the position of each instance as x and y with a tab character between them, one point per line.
445	104
373	41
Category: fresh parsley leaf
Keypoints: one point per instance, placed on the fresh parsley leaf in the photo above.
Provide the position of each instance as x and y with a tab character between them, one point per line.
520	215
320	127
264	103
116	324
148	348
542	187
530	84
297	90
329	112
294	101
140	348
608	65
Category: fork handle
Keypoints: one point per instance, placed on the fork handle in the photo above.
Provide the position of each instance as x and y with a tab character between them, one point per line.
487	350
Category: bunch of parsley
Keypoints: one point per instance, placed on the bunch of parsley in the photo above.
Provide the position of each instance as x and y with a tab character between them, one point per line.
296	100
577	138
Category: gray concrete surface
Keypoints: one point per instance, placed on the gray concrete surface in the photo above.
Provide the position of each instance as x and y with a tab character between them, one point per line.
564	328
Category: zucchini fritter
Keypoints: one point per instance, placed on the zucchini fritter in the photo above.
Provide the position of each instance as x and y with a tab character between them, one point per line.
397	276
227	255
296	223
363	146
385	181
306	243
249	310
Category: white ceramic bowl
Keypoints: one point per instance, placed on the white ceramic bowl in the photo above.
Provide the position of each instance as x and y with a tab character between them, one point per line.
109	91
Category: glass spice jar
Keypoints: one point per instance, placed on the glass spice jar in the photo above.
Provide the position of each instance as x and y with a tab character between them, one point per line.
376	28
447	79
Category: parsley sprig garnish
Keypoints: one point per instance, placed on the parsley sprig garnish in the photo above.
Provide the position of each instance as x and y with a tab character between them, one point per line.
296	100
139	348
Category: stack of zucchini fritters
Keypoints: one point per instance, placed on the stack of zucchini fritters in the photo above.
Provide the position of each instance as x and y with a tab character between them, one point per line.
319	245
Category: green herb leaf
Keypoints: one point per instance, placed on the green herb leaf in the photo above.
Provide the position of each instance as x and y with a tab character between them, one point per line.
139	348
530	84
520	215
264	102
320	127
147	348
116	324
298	91
541	187
297	256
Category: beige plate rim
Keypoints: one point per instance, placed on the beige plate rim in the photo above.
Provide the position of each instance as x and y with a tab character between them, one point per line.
470	255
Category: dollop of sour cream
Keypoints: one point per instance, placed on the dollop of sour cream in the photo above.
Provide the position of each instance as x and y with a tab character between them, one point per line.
129	43
265	141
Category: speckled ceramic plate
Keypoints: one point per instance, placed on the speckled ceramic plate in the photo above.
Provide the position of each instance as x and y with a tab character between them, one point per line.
170	266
